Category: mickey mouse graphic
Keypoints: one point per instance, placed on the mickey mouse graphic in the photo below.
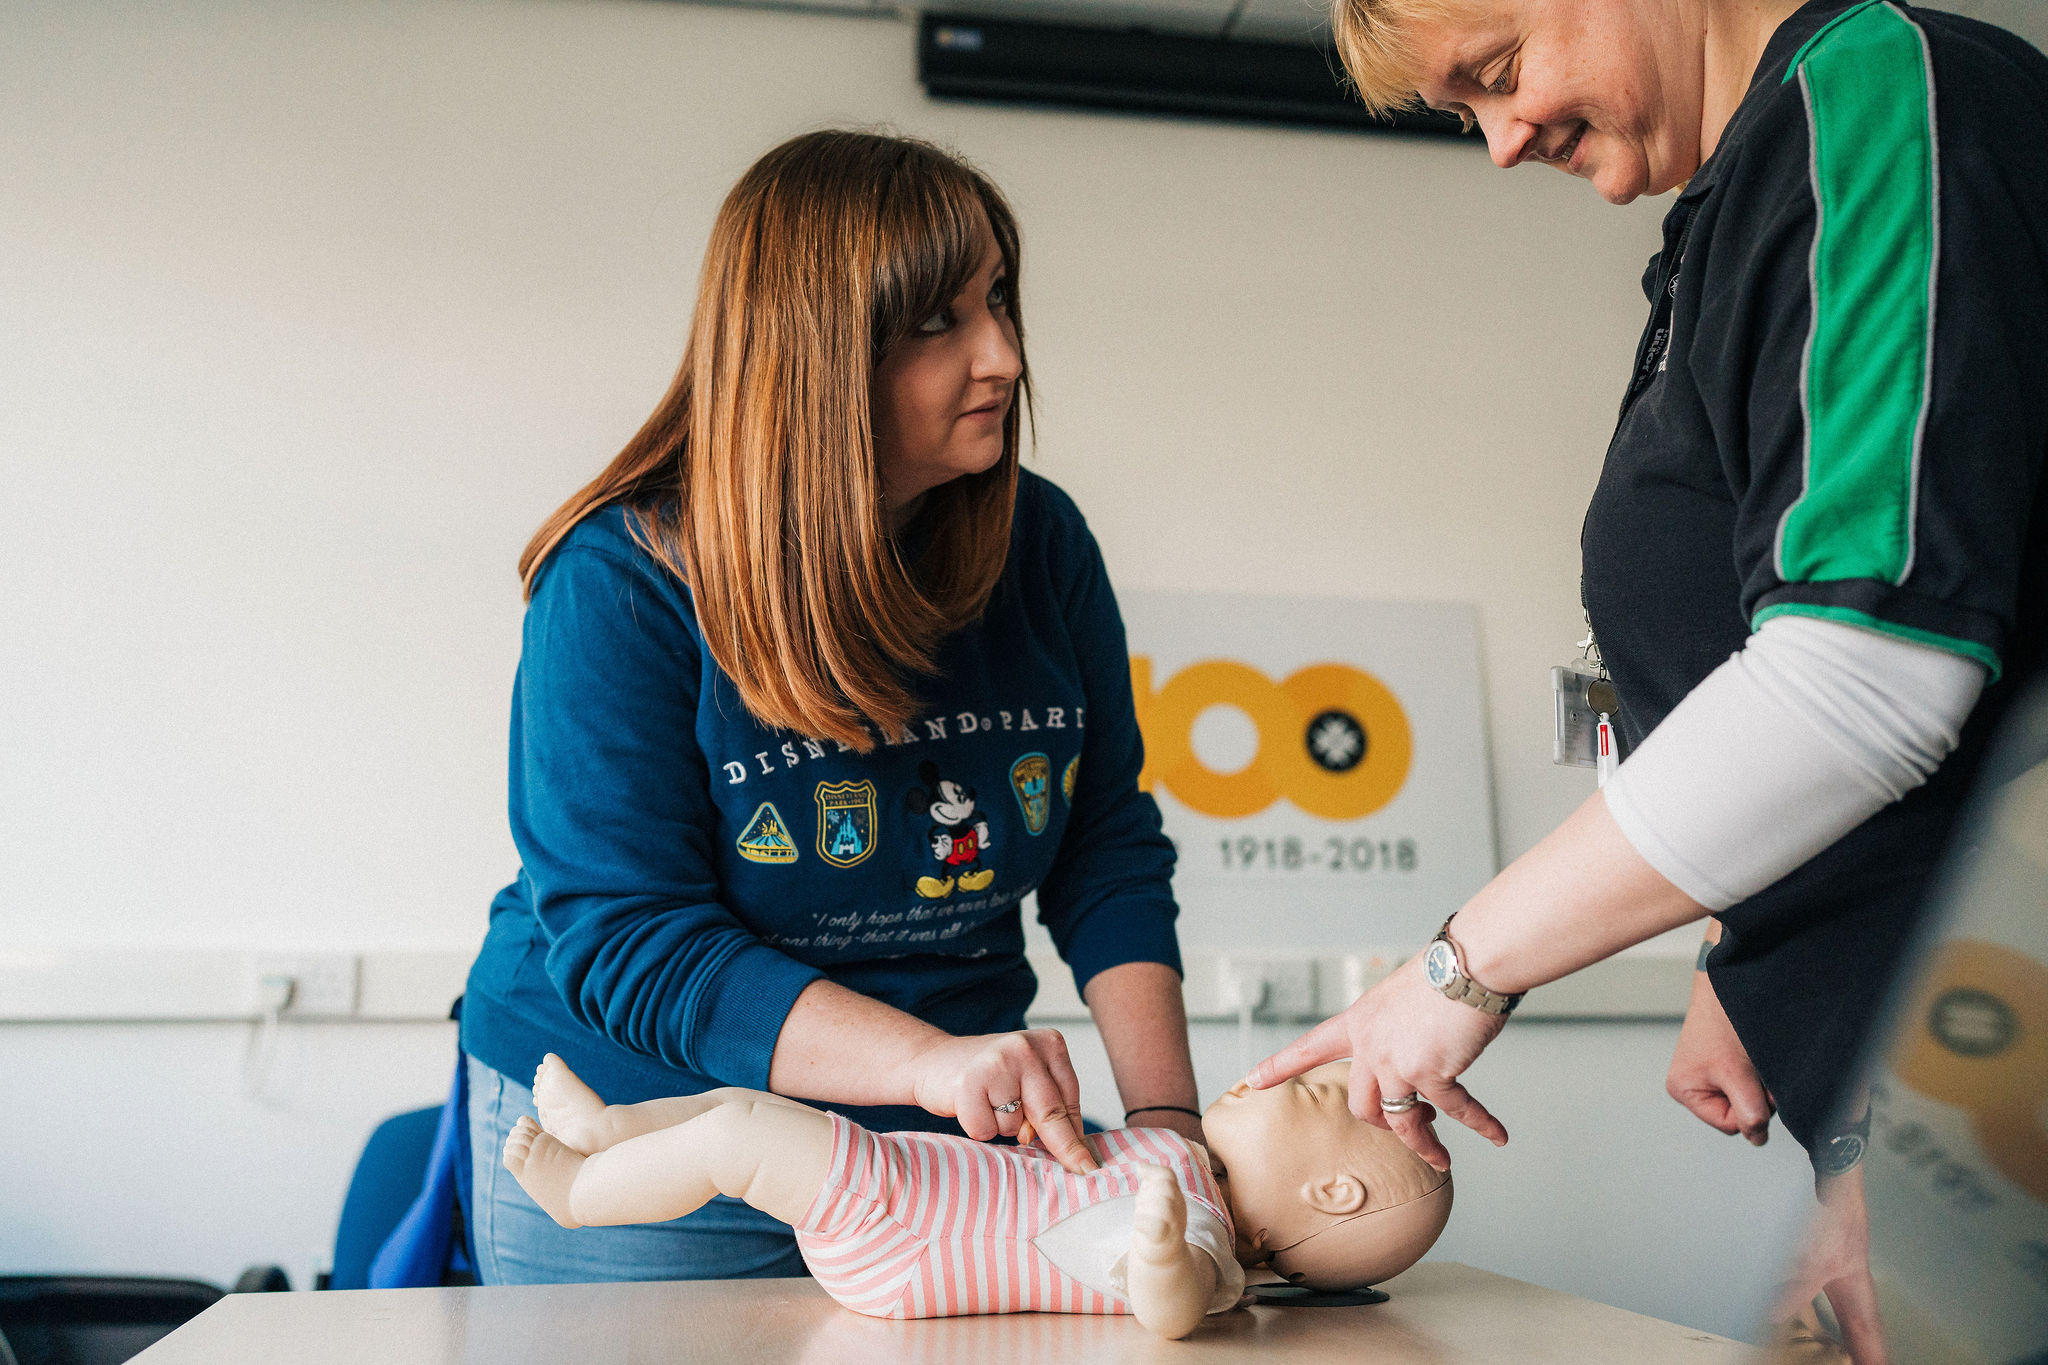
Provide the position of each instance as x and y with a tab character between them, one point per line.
957	836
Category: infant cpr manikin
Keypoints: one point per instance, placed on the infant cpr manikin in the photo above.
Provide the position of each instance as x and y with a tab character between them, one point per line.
910	1225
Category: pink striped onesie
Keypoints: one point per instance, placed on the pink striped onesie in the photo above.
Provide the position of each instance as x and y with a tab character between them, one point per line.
929	1225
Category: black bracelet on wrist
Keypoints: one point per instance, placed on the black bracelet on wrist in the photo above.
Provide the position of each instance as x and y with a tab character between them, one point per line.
1170	1108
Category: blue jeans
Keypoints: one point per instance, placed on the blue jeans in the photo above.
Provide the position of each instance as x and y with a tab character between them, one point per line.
518	1244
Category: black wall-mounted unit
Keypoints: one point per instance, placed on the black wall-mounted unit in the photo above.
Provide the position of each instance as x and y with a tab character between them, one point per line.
962	57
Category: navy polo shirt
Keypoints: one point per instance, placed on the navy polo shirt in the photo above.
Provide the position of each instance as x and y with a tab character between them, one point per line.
1840	410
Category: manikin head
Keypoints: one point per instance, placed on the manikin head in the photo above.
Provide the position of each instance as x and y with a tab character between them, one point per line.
1327	1201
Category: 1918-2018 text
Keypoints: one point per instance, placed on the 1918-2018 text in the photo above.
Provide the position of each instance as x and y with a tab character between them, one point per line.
1291	853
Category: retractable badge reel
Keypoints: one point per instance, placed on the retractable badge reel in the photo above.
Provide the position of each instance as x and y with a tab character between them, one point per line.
1585	704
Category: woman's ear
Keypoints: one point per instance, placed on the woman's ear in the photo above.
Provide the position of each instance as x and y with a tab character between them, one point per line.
1338	1195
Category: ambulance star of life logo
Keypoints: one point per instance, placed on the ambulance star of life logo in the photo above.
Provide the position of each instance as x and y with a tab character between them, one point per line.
846	821
1336	741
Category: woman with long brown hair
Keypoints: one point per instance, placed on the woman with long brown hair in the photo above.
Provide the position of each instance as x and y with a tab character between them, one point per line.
817	685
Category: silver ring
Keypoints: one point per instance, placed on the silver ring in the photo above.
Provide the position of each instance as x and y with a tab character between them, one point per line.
1012	1107
1402	1105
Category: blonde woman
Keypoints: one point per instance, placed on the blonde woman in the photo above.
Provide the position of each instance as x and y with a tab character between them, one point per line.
1817	558
816	687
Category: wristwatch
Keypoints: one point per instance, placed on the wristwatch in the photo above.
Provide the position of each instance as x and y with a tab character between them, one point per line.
1840	1152
1444	966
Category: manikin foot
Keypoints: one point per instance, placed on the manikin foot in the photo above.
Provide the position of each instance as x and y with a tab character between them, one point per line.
569	1109
544	1168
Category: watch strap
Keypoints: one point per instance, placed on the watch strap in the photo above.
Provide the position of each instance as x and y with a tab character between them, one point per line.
1466	991
1463	989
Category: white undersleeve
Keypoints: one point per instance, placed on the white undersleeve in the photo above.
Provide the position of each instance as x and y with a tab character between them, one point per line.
1809	730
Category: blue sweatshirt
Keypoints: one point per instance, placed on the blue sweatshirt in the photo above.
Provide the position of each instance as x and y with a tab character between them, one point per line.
686	873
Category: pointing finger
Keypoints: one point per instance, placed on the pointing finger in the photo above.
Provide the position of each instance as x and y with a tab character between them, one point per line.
1326	1042
1058	1126
1052	1046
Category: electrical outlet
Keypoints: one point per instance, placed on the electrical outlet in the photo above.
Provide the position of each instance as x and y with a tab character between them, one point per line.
323	985
1276	988
1358	973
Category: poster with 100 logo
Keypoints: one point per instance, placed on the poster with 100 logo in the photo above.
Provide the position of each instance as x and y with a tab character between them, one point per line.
1320	765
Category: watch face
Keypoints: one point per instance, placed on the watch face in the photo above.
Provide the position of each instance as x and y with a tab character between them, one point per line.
1840	1154
1440	964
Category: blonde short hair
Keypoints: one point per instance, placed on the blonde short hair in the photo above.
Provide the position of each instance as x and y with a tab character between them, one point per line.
1375	44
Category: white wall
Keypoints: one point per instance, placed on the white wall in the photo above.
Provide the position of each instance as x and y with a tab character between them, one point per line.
314	311
136	1148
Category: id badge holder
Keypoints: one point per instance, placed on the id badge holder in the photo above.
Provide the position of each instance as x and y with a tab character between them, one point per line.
1584	702
1576	743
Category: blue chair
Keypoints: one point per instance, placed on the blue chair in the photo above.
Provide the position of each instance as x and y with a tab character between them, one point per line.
404	1223
387	1179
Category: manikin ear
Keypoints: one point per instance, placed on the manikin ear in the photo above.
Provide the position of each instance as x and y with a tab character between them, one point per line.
1338	1195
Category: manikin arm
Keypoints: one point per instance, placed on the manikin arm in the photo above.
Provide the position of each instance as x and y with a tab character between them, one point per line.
1169	1280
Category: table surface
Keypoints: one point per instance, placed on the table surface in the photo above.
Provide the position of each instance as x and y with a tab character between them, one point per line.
1441	1313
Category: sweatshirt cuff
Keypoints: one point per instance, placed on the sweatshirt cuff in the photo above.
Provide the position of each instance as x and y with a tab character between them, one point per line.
1120	931
731	1034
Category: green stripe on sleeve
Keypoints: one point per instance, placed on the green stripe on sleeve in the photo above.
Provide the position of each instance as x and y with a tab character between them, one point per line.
1849	616
1864	381
1792	71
